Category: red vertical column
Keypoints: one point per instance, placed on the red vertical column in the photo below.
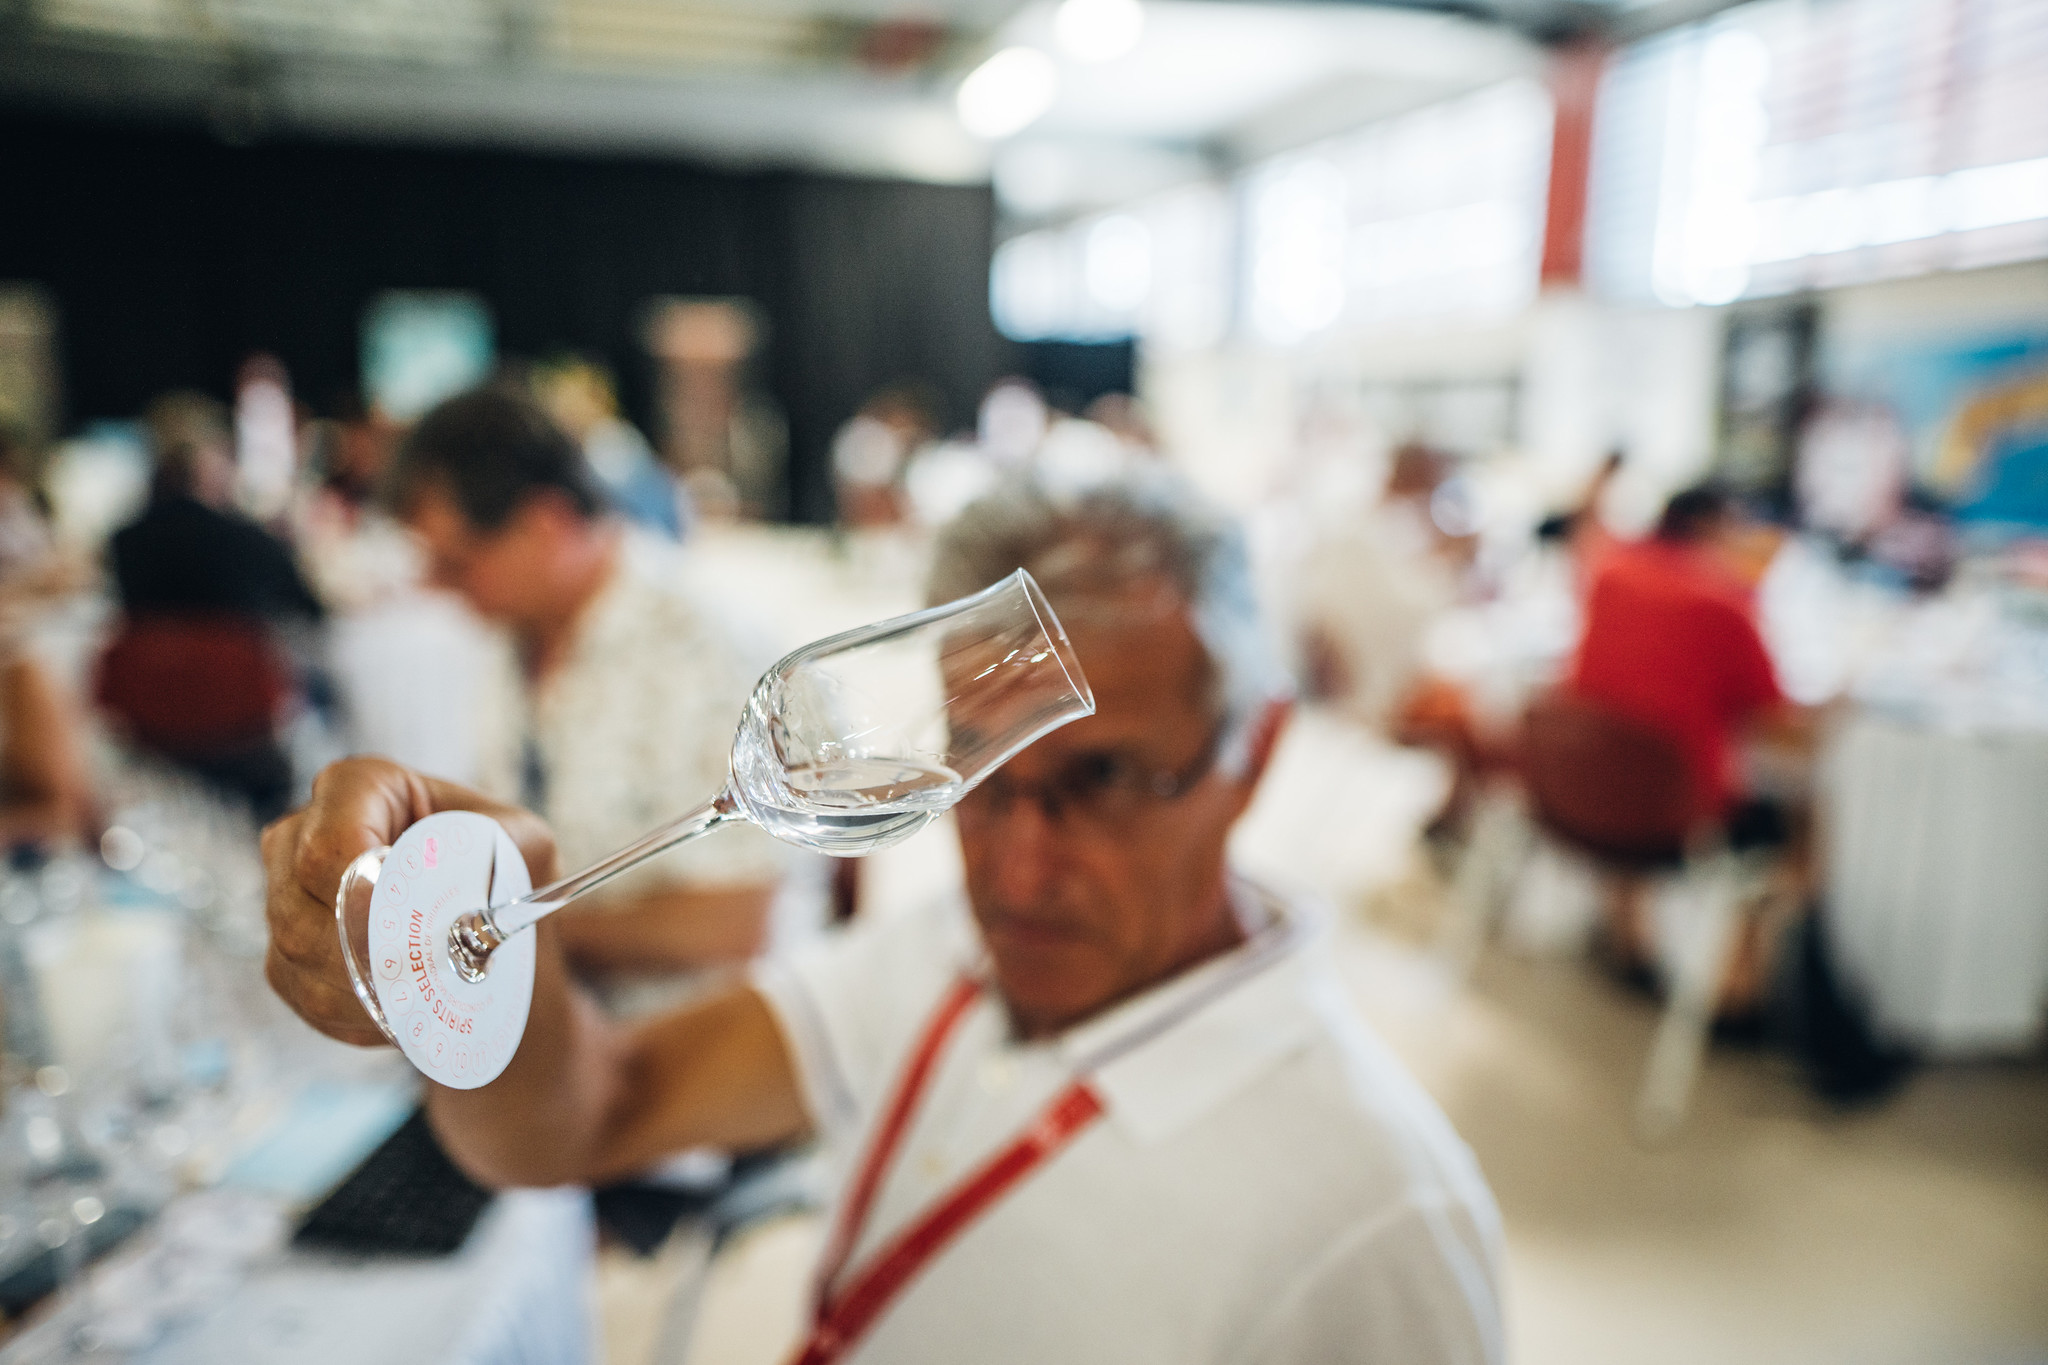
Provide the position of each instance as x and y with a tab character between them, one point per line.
1574	89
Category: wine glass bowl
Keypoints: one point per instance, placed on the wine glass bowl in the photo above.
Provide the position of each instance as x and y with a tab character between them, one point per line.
858	741
847	745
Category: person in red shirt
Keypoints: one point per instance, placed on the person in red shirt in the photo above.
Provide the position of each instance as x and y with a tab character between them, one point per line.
1671	641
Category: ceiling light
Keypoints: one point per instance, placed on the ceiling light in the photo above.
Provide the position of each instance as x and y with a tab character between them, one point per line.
1098	30
1008	92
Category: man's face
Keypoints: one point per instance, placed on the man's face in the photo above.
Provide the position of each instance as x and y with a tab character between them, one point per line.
213	474
1086	907
503	574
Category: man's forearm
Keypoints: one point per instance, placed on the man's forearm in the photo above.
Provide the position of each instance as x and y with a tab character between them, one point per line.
673	929
586	1100
545	1120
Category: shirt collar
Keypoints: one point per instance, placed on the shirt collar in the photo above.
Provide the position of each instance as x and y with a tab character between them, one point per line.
1182	1048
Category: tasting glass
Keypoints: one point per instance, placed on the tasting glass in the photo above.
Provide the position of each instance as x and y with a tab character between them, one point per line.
848	745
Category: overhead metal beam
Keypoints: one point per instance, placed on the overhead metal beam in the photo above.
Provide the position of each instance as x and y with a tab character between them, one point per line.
1550	22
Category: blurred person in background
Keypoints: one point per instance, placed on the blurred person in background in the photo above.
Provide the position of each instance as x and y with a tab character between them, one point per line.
1367	594
1451	716
360	438
1580	530
1126	419
1265	1182
45	793
34	570
354	554
1671	641
368	568
198	670
1369	589
630	684
945	476
581	398
1012	420
1078	452
25	539
870	452
190	550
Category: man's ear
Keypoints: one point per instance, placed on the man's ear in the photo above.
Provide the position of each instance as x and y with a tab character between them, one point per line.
1264	738
1261	738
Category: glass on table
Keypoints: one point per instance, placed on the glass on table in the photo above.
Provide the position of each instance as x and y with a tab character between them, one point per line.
848	745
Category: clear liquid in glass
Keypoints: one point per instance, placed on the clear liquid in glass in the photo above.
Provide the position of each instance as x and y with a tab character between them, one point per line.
838	805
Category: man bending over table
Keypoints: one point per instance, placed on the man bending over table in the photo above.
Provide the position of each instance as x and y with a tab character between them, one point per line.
1112	1105
629	679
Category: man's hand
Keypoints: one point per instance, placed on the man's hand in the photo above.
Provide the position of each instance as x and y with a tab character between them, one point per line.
581	1100
358	804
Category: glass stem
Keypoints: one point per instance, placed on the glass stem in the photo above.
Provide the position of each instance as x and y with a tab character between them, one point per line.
475	936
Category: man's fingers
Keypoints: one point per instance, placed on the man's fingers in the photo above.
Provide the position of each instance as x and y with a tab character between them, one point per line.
323	854
334	1011
358	804
301	926
276	832
307	972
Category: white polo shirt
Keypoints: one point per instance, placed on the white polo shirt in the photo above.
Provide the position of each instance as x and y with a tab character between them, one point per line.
1268	1184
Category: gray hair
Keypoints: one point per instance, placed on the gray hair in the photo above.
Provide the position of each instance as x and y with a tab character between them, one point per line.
1088	546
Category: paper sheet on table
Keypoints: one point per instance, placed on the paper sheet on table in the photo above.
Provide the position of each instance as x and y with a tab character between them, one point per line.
328	1130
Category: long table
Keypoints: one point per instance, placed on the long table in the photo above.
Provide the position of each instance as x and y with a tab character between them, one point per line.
1937	881
518	1293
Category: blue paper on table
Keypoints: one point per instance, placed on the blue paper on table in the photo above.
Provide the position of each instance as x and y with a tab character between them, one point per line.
325	1134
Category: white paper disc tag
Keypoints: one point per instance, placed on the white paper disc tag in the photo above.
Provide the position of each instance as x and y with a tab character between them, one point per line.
457	1033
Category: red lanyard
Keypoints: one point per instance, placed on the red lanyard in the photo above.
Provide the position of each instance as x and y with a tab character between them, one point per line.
845	1316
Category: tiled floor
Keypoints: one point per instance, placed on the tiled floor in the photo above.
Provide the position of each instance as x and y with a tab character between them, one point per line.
1770	1229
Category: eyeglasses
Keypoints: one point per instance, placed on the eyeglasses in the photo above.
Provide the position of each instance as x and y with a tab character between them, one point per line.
1105	788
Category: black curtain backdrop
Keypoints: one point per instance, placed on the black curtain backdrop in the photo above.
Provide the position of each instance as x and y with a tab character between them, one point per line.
170	257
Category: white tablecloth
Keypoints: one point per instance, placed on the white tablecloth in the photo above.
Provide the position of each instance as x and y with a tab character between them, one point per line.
518	1293
1937	881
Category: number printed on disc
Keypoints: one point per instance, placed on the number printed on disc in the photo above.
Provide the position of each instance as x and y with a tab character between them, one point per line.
459	1034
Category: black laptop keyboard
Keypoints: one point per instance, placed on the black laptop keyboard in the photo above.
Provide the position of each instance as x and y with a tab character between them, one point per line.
407	1198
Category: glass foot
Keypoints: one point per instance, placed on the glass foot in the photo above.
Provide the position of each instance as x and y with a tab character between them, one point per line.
394	911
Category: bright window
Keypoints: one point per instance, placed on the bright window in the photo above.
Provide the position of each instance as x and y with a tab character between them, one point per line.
1434	216
1797	144
1159	269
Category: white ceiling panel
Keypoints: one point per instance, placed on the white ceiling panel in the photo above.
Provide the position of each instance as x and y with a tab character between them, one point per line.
755	82
1202	69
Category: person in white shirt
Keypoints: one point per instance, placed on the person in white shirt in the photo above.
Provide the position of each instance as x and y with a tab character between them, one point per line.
1109	1105
627	687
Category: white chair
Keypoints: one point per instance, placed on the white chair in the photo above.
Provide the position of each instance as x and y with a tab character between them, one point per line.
1621	793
